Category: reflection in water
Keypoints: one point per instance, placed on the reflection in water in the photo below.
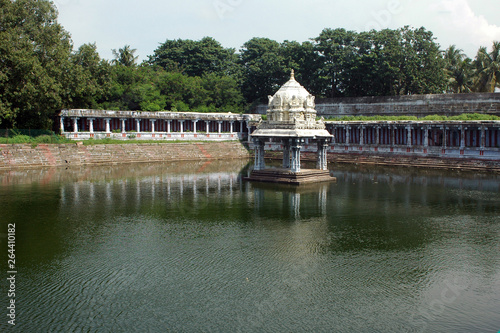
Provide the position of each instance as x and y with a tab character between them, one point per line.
190	247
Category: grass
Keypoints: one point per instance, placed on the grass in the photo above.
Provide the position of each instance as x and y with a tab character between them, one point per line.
34	141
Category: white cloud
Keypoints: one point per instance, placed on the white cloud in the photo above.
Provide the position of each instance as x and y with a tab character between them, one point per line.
457	19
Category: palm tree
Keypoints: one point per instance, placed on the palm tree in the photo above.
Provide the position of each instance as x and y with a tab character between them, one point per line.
487	66
125	56
459	71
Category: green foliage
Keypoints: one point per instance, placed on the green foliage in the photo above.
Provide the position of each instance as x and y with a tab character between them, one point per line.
34	53
195	58
377	63
487	69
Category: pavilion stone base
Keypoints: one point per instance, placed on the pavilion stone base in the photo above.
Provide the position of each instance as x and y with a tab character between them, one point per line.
286	176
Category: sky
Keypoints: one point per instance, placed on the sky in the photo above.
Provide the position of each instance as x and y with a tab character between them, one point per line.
146	24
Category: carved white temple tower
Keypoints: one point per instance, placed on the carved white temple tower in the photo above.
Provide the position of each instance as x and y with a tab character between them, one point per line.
291	118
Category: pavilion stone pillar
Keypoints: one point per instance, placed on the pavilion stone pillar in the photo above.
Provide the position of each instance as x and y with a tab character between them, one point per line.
169	126
377	136
207	124
259	155
138	125
295	149
108	127
393	135
123	124
249	130
194	125
220	126
241	127
62	125
286	153
91	125
75	124
153	121
361	135
347	135
322	163
231	129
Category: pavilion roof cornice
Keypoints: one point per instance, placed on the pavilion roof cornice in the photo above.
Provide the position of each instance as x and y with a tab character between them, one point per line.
89	113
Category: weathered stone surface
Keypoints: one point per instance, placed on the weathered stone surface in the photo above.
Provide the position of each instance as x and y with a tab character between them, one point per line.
25	156
412	105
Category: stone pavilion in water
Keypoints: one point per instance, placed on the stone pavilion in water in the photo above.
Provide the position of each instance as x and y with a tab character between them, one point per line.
291	119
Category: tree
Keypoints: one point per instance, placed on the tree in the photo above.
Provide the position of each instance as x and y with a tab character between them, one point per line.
487	66
88	80
34	53
305	60
195	58
263	67
422	66
335	47
459	70
125	56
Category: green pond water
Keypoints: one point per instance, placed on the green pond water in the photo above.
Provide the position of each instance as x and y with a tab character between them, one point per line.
190	247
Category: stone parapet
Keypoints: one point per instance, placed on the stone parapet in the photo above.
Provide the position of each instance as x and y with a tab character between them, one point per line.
411	105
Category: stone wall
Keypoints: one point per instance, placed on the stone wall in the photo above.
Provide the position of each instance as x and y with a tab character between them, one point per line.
14	156
412	105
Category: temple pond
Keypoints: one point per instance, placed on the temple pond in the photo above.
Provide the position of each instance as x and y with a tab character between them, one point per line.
189	247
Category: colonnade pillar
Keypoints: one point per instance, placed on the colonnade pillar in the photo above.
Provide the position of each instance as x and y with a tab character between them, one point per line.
483	137
182	125
426	136
207	123
75	124
153	121
91	125
195	122
62	125
108	127
462	136
123	124
138	125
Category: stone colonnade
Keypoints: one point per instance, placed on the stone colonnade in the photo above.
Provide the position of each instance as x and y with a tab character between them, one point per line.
470	134
82	124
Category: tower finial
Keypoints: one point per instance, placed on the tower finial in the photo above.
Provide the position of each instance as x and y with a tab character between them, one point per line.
292	75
